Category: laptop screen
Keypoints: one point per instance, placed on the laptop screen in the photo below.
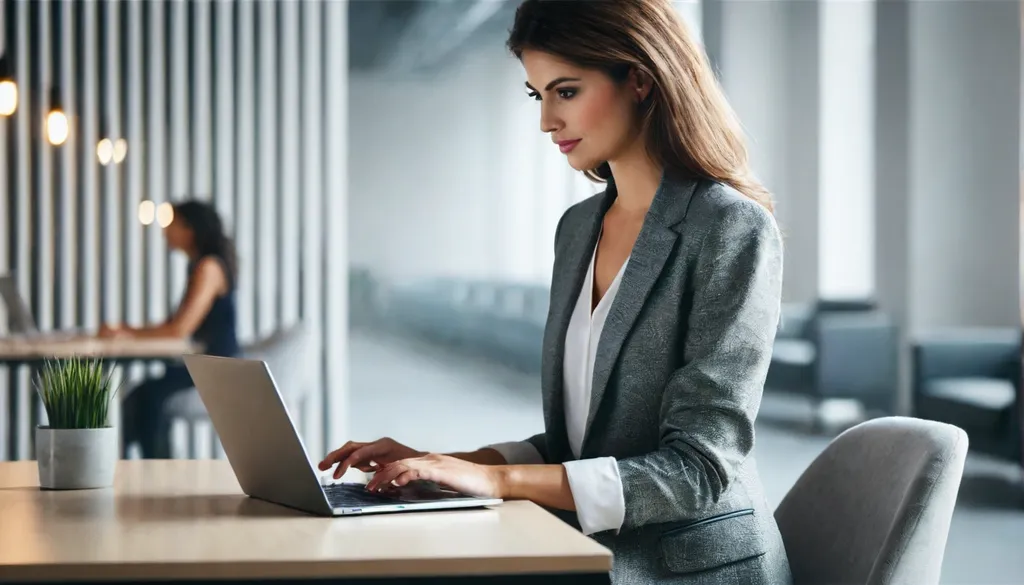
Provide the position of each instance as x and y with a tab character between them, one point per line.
19	317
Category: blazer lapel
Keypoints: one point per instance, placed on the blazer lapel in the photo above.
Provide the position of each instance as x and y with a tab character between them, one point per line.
566	288
654	245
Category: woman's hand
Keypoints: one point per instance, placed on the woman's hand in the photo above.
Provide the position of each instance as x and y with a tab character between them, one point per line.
485	481
114	331
363	456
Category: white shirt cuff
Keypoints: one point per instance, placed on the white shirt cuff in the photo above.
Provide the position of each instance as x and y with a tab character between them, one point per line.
597	490
518	453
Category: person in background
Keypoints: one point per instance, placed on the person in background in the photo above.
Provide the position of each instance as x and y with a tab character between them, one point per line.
206	315
665	298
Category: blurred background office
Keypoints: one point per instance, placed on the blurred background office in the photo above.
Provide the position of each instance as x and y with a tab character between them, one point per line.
391	196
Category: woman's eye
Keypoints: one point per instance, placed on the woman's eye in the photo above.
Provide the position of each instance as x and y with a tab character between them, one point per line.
533	95
566	93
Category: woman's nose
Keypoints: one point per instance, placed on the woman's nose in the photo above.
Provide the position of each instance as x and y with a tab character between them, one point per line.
549	122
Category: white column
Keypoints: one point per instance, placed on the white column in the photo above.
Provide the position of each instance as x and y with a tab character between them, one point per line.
66	236
224	126
290	161
113	240
177	126
313	202
335	203
156	139
245	170
266	210
202	127
86	243
846	146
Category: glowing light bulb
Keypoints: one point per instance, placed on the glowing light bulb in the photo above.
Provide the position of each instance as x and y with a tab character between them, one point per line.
57	127
105	151
120	150
147	212
164	214
8	97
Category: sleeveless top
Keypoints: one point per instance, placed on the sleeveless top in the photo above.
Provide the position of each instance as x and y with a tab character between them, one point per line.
217	332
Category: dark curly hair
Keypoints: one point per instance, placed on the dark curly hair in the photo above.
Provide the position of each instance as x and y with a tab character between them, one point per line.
211	239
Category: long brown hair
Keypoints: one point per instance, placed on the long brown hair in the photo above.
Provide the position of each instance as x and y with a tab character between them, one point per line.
689	125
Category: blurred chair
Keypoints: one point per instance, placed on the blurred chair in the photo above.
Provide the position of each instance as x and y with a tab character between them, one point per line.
971	377
289	353
502	321
874	508
836	349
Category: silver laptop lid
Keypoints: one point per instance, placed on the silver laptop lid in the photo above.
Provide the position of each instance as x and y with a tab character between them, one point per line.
259	439
18	314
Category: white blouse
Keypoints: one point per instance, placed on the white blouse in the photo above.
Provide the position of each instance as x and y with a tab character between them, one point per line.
595	483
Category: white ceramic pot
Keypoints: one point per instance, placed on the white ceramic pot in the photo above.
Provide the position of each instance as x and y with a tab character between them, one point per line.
71	459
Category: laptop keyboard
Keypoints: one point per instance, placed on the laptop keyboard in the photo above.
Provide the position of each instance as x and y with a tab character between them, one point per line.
354	495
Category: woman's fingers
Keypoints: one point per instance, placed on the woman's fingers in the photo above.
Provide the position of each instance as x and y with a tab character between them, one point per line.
339	454
383	478
362	456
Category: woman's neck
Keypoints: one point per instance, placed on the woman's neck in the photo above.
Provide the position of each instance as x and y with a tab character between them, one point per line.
637	177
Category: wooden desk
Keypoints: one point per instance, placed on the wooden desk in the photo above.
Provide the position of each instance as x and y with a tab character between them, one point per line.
188	520
27	349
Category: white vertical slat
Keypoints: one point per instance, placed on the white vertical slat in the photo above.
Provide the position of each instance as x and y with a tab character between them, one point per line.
88	126
202	183
138	155
335	204
312	184
24	125
43	193
135	175
245	166
155	141
6	225
290	145
112	236
177	48
224	127
65	159
267	243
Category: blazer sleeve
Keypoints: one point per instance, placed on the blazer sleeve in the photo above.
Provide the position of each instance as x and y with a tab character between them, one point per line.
709	405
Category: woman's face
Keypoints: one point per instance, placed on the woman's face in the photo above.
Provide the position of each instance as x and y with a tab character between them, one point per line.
178	235
590	117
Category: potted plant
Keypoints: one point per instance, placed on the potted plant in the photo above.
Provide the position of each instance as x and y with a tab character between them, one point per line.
78	449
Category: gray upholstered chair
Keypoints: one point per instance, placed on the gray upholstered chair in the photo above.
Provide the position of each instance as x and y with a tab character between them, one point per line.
291	357
874	507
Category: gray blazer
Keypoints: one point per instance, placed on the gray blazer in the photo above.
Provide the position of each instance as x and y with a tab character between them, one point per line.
680	369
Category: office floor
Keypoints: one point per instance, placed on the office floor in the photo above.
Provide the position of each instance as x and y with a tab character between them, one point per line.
434	399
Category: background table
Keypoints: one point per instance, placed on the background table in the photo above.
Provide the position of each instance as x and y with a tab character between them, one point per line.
188	520
20	402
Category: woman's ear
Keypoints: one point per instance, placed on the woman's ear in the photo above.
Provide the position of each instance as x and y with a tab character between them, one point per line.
640	83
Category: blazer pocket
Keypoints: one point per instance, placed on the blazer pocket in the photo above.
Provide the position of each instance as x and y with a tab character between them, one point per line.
713	542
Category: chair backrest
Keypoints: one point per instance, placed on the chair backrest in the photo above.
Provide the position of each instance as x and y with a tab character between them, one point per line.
874	507
290	354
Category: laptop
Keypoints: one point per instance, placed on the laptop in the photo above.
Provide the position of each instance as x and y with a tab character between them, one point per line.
268	456
18	314
20	321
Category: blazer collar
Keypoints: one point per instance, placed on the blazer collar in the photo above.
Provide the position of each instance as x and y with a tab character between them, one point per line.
653	247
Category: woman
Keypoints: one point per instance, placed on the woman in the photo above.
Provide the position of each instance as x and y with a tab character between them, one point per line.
665	298
206	315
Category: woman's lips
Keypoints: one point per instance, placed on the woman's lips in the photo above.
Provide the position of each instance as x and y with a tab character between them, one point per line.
566	145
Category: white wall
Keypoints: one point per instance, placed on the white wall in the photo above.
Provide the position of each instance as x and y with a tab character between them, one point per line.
452	176
964	151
